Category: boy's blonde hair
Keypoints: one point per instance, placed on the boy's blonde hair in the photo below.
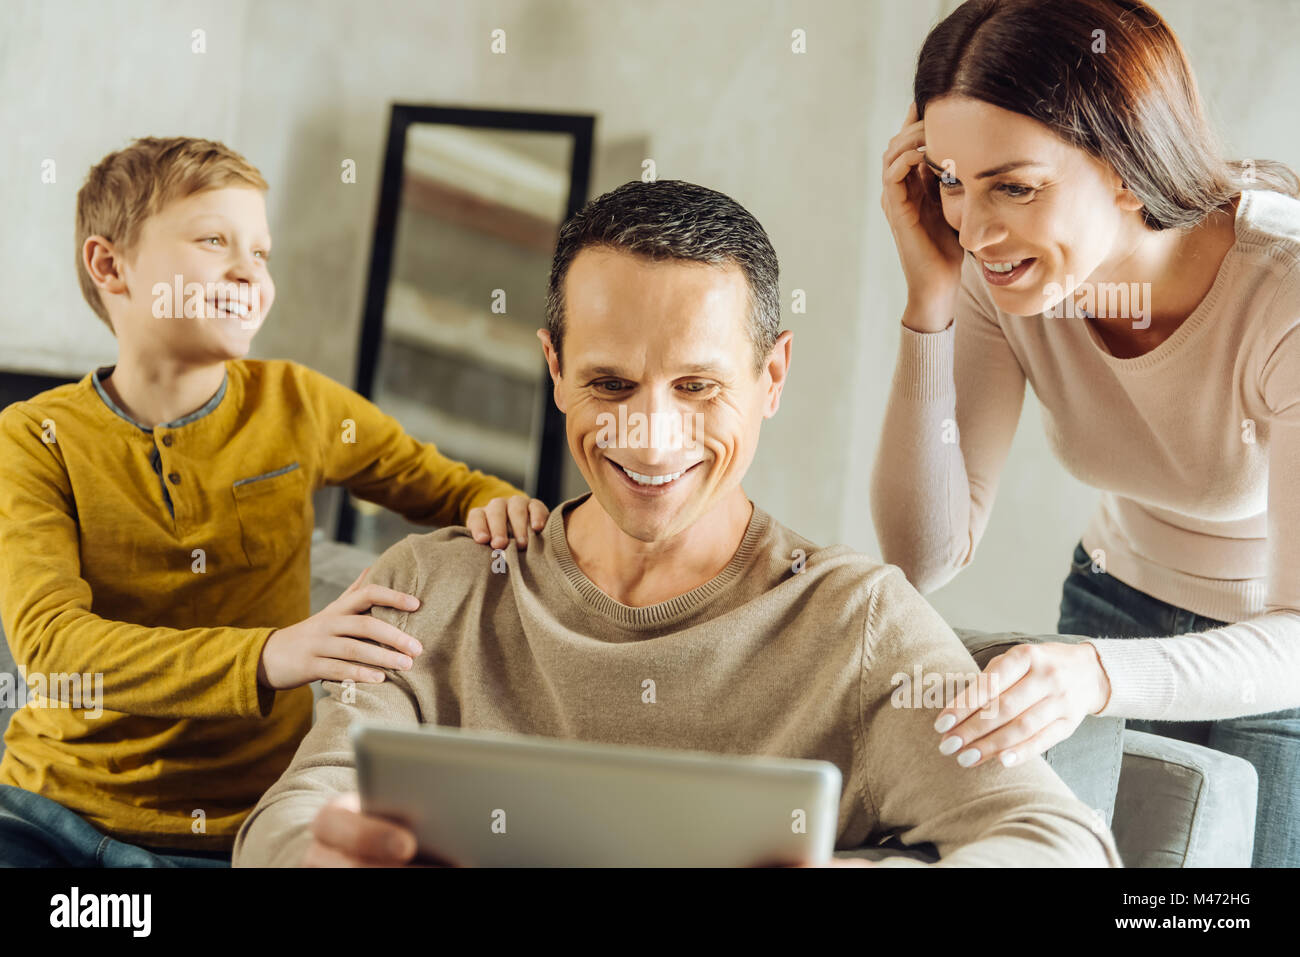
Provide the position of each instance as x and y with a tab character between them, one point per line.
127	187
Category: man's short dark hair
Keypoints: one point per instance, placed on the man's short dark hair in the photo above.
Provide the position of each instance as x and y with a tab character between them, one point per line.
672	219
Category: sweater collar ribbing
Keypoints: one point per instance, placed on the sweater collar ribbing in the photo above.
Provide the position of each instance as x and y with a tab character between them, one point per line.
647	616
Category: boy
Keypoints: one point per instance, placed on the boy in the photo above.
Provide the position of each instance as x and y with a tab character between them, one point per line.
155	529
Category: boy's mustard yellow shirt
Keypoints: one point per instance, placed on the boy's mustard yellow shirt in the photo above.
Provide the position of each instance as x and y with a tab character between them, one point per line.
162	560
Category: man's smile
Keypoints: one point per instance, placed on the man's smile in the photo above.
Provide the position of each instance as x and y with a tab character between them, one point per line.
651	484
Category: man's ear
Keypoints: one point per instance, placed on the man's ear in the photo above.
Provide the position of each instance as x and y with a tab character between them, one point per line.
553	365
777	369
102	261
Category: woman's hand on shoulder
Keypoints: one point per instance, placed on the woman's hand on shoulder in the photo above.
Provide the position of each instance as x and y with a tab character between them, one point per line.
1026	700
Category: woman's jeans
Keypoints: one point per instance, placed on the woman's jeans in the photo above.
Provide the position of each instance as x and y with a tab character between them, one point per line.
38	832
1101	606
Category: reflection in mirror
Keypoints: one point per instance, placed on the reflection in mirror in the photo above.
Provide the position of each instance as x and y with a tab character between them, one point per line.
458	363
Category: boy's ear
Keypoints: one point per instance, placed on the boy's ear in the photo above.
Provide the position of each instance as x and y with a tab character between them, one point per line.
104	265
553	365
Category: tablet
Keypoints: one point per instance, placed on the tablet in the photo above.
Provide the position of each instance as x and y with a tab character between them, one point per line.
478	798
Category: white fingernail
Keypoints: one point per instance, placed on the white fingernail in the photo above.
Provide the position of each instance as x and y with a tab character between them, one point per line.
949	745
1009	758
968	757
921	149
945	723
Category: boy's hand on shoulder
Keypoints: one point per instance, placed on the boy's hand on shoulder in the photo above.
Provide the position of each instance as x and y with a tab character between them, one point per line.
494	523
330	643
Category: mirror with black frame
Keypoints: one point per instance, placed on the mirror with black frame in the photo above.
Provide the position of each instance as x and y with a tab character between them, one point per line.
470	206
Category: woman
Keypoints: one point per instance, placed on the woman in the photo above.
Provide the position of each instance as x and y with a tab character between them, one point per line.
1063	216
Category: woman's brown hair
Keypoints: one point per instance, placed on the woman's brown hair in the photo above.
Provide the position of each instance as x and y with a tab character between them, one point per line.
1107	76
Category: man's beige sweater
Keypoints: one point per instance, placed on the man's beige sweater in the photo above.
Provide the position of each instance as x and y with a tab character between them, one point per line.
791	650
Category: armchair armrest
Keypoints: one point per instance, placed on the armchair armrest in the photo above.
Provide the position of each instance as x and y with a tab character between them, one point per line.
1090	760
1171	803
1184	805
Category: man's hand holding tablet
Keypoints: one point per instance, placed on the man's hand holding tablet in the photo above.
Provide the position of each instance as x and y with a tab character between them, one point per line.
342	836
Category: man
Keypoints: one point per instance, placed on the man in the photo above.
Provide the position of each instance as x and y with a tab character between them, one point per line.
664	608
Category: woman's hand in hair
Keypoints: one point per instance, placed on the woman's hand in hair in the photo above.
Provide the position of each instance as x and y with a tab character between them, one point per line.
1026	700
927	246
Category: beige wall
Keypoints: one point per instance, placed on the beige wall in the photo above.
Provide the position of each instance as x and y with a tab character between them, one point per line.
712	87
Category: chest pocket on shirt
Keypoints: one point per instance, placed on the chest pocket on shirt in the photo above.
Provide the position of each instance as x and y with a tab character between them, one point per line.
272	511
